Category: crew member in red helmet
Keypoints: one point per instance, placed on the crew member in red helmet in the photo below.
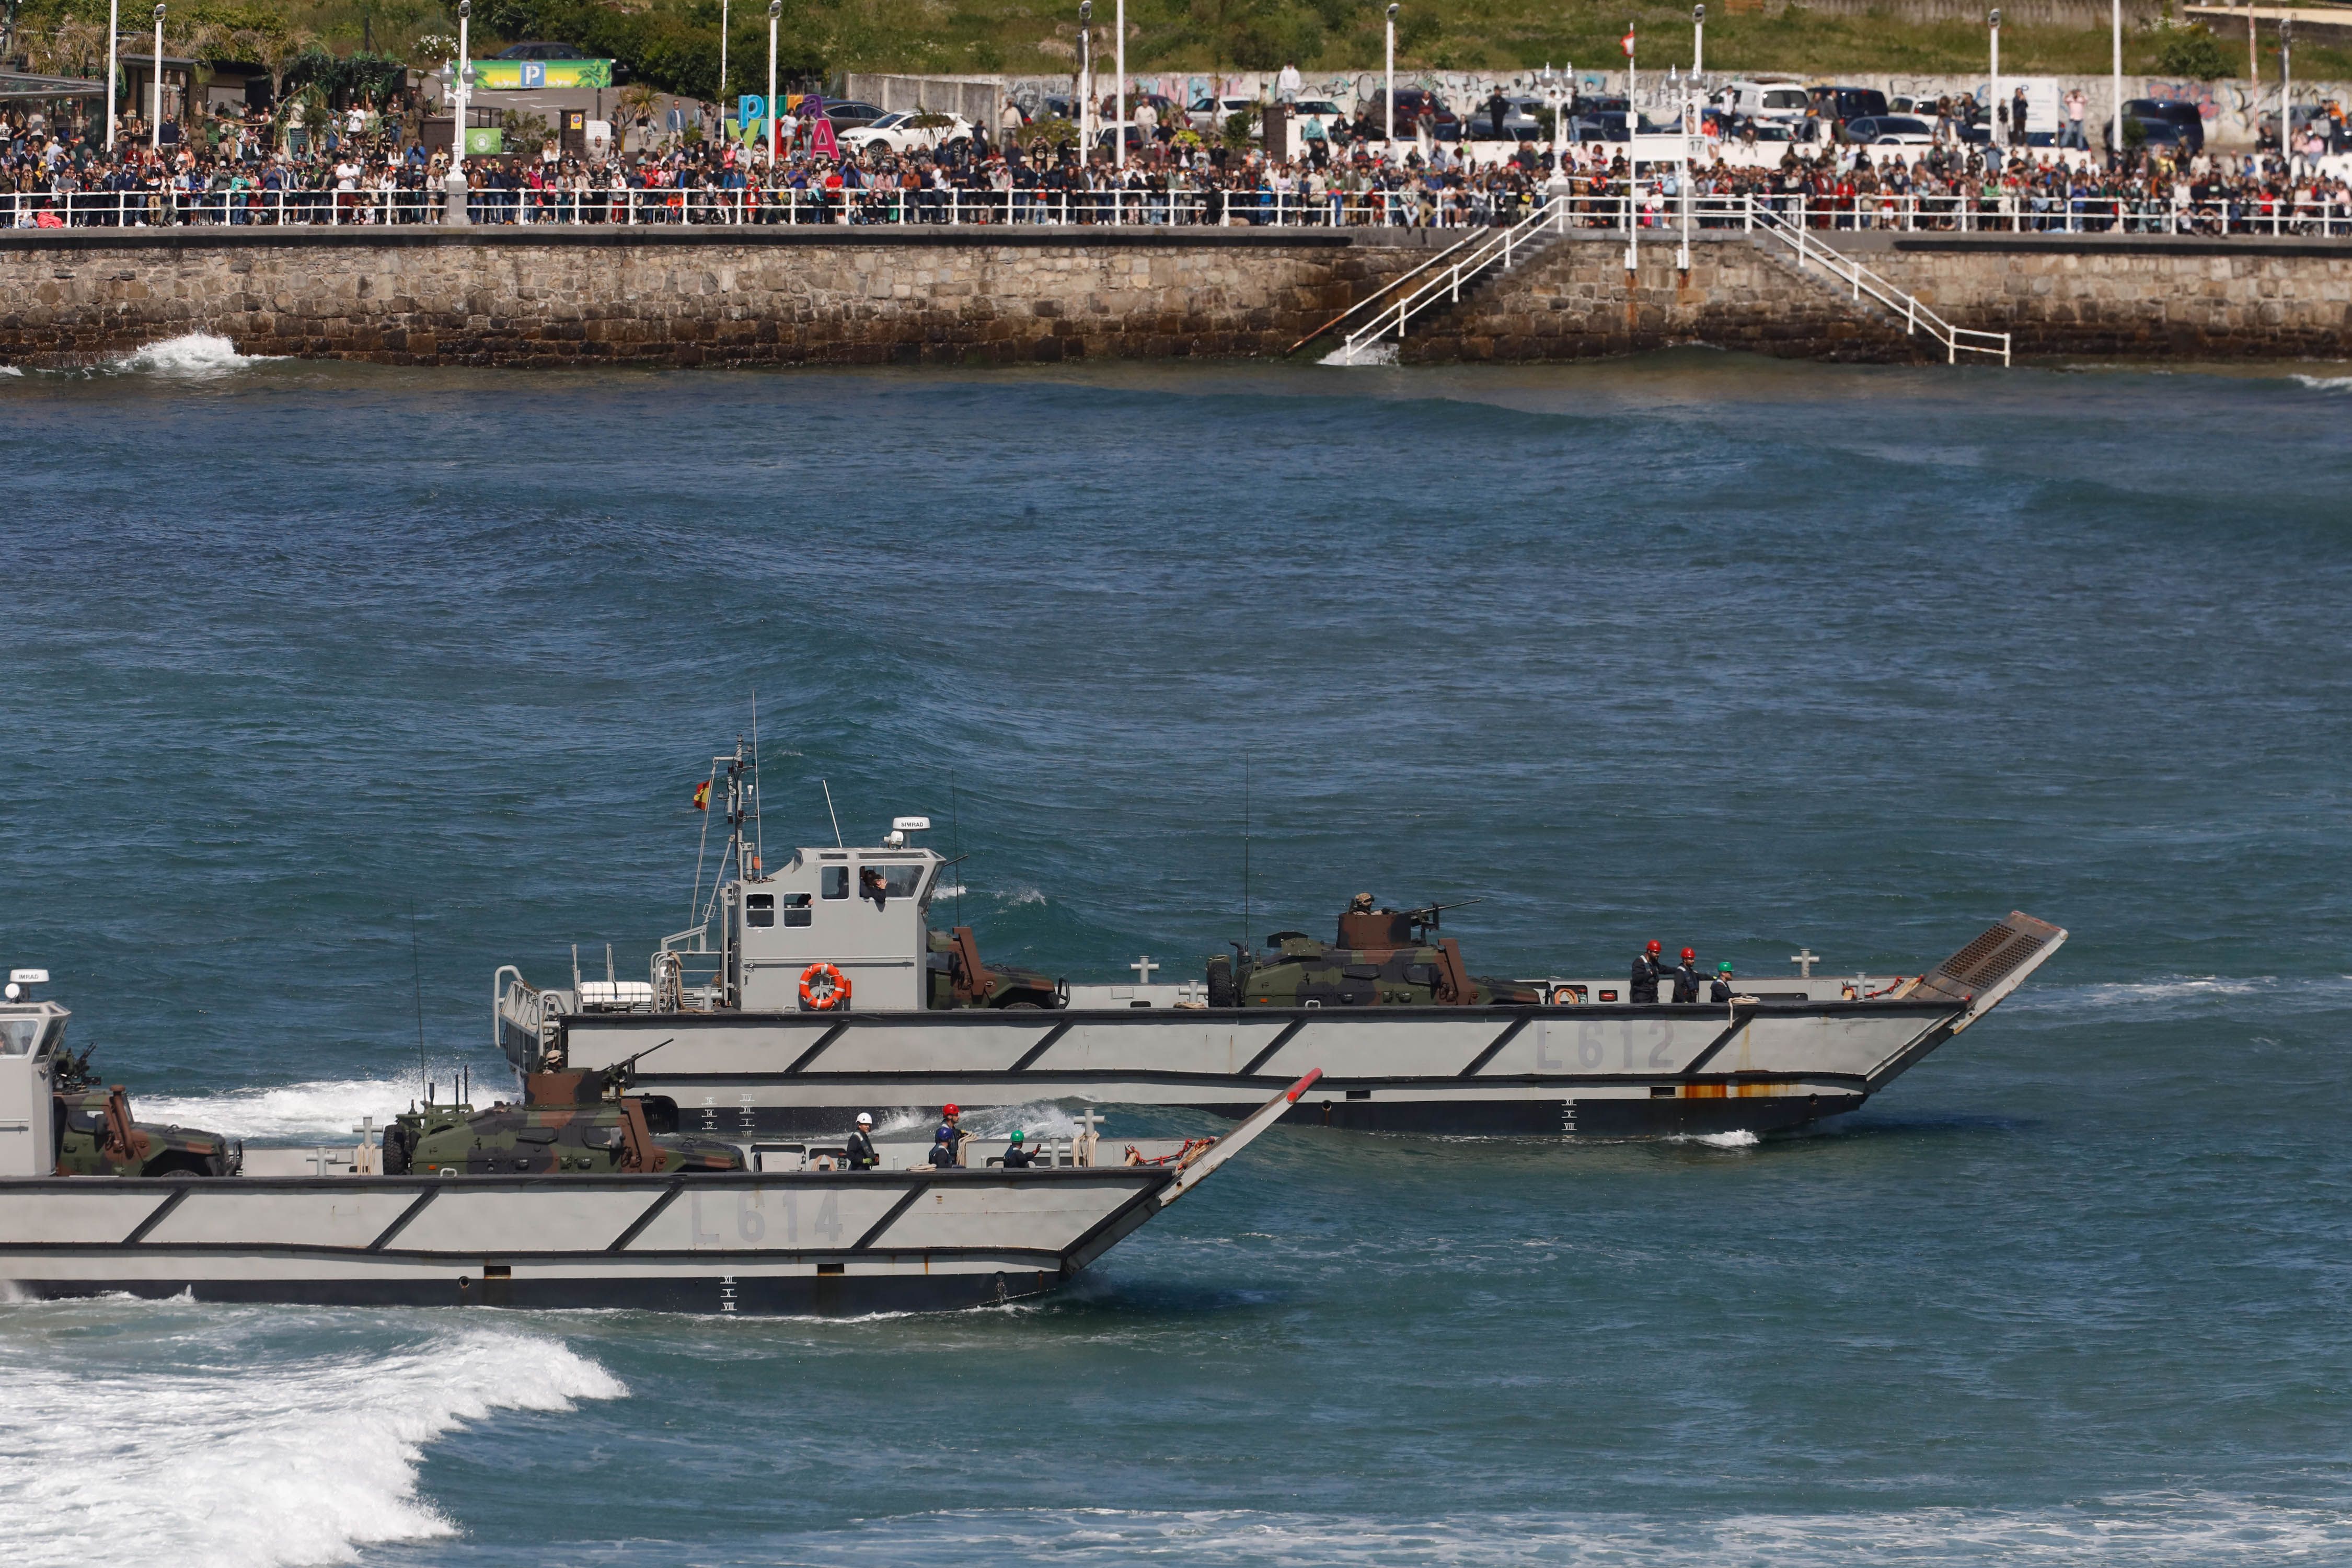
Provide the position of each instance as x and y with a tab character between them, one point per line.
1647	967
1687	976
950	1131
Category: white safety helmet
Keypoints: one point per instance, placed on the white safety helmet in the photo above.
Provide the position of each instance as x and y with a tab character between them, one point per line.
864	1120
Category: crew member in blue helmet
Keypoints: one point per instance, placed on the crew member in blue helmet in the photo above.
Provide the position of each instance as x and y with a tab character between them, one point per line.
943	1150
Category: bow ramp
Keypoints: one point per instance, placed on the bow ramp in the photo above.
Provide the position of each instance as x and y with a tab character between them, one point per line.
1988	968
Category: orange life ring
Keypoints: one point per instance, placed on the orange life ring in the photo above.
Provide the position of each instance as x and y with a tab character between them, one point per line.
835	987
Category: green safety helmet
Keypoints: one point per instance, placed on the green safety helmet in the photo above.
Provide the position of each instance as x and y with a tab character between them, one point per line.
1016	1135
1723	968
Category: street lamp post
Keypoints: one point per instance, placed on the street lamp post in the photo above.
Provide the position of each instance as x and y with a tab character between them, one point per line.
2115	127
775	9
1699	39
1085	83
461	77
723	8
1119	62
1388	91
155	121
2286	89
114	32
1992	89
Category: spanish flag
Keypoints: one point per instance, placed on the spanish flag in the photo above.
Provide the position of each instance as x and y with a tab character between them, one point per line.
703	795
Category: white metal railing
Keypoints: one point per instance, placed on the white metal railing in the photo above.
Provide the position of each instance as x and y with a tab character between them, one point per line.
632	206
1861	280
1467	262
1588	203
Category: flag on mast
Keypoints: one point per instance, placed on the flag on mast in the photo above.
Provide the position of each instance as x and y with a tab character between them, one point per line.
703	795
1627	42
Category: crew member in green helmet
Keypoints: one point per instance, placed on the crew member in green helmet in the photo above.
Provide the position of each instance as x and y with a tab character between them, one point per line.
1720	990
1018	1157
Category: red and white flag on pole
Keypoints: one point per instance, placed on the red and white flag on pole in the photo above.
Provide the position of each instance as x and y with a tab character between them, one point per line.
1627	42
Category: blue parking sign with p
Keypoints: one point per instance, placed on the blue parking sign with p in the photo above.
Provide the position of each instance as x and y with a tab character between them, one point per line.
534	74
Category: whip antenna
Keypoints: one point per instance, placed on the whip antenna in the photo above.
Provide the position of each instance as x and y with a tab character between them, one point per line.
955	832
416	976
759	836
833	814
1245	853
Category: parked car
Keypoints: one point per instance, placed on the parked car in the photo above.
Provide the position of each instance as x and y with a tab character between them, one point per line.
1889	130
1840	104
1322	108
850	114
2186	116
1409	103
1523	118
898	133
1765	100
1208	114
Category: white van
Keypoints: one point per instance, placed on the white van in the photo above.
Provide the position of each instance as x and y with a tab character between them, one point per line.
1780	100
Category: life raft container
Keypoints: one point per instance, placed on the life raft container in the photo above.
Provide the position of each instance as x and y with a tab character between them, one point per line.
823	988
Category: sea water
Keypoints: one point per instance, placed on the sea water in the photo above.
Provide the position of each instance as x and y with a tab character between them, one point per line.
329	689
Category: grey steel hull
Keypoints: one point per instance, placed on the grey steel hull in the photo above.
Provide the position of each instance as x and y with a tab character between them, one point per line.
833	1243
1597	1070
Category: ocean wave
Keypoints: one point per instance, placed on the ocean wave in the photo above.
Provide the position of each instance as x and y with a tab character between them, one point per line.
2183	996
1738	1138
194	355
248	1458
2164	1530
327	1109
11	370
1369	354
2326	383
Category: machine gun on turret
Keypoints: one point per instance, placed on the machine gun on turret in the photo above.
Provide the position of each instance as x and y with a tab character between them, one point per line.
587	1086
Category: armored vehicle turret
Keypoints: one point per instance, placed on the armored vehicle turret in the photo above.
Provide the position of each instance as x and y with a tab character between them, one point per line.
1382	958
568	1123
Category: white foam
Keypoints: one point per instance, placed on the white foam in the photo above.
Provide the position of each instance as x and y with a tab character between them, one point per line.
196	356
2105	1532
2175	995
1738	1138
2326	383
232	1452
1368	353
11	370
325	1108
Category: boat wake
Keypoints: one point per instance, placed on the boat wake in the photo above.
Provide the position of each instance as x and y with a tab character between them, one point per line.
325	1110
198	1436
2326	383
2185	995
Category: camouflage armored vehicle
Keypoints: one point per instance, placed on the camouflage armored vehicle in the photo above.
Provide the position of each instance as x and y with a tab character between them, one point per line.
97	1137
959	978
1383	958
568	1123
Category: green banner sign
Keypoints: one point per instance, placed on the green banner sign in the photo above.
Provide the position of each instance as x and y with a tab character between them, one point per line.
485	141
510	76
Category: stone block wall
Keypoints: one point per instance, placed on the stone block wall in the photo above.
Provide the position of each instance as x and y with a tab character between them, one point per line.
686	297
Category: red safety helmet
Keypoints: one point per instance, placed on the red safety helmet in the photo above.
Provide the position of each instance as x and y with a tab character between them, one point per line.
951	1110
1690	953
1654	946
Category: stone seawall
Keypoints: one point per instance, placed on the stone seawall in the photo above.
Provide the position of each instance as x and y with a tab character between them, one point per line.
2058	295
681	297
817	296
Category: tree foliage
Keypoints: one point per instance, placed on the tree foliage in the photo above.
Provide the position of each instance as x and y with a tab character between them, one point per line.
2192	52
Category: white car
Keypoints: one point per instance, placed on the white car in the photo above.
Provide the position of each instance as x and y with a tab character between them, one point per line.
1765	100
1211	113
898	133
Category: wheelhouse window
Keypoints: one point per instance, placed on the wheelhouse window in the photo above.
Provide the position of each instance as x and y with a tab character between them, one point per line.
17	1035
797	912
760	910
882	883
836	882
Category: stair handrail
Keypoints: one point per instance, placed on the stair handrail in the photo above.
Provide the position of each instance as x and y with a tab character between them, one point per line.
1495	248
1399	280
1862	280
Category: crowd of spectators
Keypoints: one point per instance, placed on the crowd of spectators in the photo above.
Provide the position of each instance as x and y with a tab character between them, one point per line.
366	166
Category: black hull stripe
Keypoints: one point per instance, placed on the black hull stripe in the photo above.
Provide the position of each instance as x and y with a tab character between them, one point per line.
1266	1054
811	1054
1500	1041
410	1213
1173	1018
889	1217
155	1217
1235	1080
653	1212
743	1257
1042	1046
711	1293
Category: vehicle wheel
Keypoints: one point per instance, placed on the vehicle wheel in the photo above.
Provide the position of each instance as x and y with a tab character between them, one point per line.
1222	992
177	1165
1020	1007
